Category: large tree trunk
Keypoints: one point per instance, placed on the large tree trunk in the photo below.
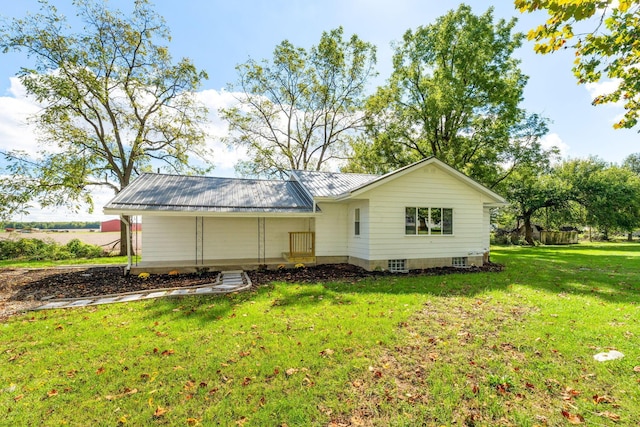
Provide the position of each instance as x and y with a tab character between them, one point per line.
630	237
123	235
528	231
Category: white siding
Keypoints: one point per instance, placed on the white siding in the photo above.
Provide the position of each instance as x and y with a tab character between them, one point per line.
169	239
174	238
332	229
426	187
359	245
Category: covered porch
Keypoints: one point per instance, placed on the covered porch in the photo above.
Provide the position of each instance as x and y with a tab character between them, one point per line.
215	243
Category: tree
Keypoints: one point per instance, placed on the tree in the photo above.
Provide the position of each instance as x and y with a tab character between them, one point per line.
114	103
454	93
533	188
301	109
611	49
632	162
610	194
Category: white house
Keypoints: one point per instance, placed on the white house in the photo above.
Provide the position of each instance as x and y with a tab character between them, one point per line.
423	215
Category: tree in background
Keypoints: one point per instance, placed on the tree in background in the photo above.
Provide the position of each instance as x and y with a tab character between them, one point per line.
454	93
610	194
532	188
610	50
632	162
300	109
114	103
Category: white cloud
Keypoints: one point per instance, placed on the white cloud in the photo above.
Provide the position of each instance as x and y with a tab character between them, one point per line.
602	88
224	158
15	133
553	140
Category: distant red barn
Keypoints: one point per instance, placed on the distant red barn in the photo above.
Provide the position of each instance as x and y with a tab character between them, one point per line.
114	225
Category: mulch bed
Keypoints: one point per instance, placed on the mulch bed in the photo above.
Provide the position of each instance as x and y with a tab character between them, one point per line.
23	288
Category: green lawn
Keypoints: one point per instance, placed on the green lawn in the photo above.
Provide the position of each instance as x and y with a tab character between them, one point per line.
510	348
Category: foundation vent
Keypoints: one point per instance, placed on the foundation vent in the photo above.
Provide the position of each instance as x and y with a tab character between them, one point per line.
397	265
461	261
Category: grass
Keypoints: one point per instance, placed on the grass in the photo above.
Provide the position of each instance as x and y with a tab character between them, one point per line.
74	261
510	348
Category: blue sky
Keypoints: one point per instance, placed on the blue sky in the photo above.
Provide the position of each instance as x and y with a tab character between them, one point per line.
218	35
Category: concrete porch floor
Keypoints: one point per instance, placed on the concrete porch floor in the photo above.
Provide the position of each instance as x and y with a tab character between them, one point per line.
214	265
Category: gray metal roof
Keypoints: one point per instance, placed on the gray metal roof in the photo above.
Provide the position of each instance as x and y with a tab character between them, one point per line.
331	184
155	192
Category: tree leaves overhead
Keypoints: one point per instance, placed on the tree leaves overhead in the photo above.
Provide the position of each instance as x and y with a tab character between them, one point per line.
114	103
609	49
454	94
301	108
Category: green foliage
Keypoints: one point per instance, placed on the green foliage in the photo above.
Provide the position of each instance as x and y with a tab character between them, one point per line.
610	194
73	225
113	102
610	50
300	109
454	93
38	250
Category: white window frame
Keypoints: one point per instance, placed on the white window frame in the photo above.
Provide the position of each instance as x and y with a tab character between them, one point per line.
421	223
356	222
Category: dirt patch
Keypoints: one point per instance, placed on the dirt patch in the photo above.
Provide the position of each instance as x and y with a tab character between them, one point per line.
23	289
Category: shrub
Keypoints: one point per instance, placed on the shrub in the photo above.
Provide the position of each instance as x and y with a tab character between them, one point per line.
39	250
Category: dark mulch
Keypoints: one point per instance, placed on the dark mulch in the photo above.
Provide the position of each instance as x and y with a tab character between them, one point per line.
21	288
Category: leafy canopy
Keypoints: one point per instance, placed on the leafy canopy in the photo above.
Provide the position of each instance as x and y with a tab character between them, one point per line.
610	50
300	109
114	103
454	93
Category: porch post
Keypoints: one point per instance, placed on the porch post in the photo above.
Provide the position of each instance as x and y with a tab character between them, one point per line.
128	224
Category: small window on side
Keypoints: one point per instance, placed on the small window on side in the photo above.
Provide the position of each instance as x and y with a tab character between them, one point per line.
356	222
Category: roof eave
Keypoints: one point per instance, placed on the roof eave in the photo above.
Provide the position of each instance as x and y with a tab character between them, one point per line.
204	213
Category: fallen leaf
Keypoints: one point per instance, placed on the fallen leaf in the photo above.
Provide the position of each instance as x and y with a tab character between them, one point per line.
192	421
52	392
290	371
242	421
601	399
159	412
168	352
569	393
100	370
246	381
18	397
636	369
326	352
610	415
573	418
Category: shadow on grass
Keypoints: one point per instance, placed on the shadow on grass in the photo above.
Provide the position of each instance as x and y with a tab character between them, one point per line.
605	272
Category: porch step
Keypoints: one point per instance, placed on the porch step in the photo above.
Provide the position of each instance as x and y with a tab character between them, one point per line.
306	259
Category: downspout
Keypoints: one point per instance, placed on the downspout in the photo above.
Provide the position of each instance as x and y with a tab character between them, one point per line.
127	269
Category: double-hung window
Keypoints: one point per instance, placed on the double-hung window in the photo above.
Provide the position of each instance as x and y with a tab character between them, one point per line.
428	221
356	222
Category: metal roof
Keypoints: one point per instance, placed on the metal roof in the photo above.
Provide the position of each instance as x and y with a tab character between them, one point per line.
331	184
156	192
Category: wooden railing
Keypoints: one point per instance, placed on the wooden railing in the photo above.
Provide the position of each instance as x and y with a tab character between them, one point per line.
302	243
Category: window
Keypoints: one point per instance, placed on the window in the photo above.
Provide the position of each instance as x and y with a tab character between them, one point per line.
428	221
356	222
